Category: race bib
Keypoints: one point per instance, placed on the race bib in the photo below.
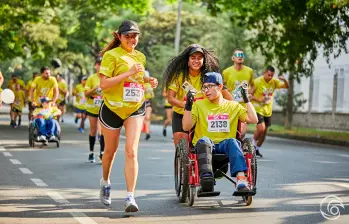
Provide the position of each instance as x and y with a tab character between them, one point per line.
218	123
16	102
97	100
133	92
82	101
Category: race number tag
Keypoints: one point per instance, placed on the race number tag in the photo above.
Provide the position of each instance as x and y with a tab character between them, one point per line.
16	102
97	100
82	101
218	123
133	92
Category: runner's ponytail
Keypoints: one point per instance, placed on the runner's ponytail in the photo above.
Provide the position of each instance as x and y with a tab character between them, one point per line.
112	44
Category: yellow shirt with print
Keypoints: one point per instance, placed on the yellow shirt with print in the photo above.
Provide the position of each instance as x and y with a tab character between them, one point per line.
176	86
43	88
46	113
217	121
19	101
80	99
126	97
12	85
93	102
263	88
233	78
149	93
61	85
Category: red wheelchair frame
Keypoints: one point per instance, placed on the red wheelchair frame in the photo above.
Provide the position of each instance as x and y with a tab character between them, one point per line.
187	170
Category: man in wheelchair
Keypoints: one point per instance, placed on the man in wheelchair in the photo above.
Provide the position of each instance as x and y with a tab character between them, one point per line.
44	119
215	120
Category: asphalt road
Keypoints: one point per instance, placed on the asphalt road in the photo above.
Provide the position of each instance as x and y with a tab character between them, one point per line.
57	185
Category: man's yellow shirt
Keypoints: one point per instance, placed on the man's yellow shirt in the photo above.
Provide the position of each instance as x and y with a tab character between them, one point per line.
93	102
43	88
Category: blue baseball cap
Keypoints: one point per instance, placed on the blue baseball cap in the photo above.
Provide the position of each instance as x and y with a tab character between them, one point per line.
213	77
45	100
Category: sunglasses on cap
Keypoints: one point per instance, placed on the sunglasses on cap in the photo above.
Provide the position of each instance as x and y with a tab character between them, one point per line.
239	55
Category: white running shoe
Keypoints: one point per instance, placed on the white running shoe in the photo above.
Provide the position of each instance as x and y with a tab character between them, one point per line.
131	205
104	194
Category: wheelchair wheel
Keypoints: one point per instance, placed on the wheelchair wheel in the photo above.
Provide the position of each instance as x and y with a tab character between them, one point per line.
249	148
191	195
177	172
31	135
184	163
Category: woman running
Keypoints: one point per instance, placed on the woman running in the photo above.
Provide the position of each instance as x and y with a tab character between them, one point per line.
168	112
185	72
93	93
122	83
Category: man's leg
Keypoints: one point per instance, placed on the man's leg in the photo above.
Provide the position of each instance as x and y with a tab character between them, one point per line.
41	124
204	149
19	118
231	147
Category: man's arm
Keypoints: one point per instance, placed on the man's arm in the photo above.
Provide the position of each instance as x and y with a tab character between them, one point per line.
31	93
55	93
286	84
227	95
187	122
251	112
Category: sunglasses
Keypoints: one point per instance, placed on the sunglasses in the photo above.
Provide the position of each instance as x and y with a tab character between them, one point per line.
239	55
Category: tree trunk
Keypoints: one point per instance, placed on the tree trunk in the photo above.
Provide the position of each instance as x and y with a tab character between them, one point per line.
290	94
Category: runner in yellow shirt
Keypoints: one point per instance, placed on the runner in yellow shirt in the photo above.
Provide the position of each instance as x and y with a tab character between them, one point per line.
216	120
237	75
184	73
93	93
122	82
45	86
80	103
168	112
63	91
148	95
27	94
17	106
262	100
12	86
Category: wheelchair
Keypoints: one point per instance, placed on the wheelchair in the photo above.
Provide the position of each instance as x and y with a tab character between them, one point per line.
34	133
186	170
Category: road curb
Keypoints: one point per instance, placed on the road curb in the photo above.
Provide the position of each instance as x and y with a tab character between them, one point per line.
311	139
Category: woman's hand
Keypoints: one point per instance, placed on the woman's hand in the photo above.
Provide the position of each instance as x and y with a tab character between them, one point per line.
153	82
136	68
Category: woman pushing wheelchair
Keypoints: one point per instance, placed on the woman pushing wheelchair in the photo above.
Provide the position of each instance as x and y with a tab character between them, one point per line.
216	120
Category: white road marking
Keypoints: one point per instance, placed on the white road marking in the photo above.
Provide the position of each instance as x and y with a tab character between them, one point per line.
7	153
78	216
15	161
2	148
25	170
39	182
57	197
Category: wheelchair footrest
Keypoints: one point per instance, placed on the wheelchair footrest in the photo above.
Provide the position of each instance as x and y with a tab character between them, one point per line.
244	193
201	194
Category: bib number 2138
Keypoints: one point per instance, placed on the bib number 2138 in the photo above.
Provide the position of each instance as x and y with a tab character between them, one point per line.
218	123
133	92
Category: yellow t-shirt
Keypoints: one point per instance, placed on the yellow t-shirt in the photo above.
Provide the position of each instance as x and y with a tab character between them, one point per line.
27	88
176	85
95	100
61	85
43	88
233	78
11	85
263	88
80	99
217	121
128	96
149	93
18	103
46	113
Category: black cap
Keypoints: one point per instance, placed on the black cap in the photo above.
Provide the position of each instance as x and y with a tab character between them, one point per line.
45	100
213	77
128	26
195	48
98	60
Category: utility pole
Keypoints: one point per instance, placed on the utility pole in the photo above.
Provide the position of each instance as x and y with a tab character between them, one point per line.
178	27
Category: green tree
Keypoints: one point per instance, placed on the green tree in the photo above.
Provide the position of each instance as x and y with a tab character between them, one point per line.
290	32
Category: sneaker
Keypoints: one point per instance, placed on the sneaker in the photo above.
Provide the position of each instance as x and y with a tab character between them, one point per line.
164	132
100	156
259	154
42	138
130	204
147	137
91	157
52	138
81	130
104	194
242	184
207	182
76	120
